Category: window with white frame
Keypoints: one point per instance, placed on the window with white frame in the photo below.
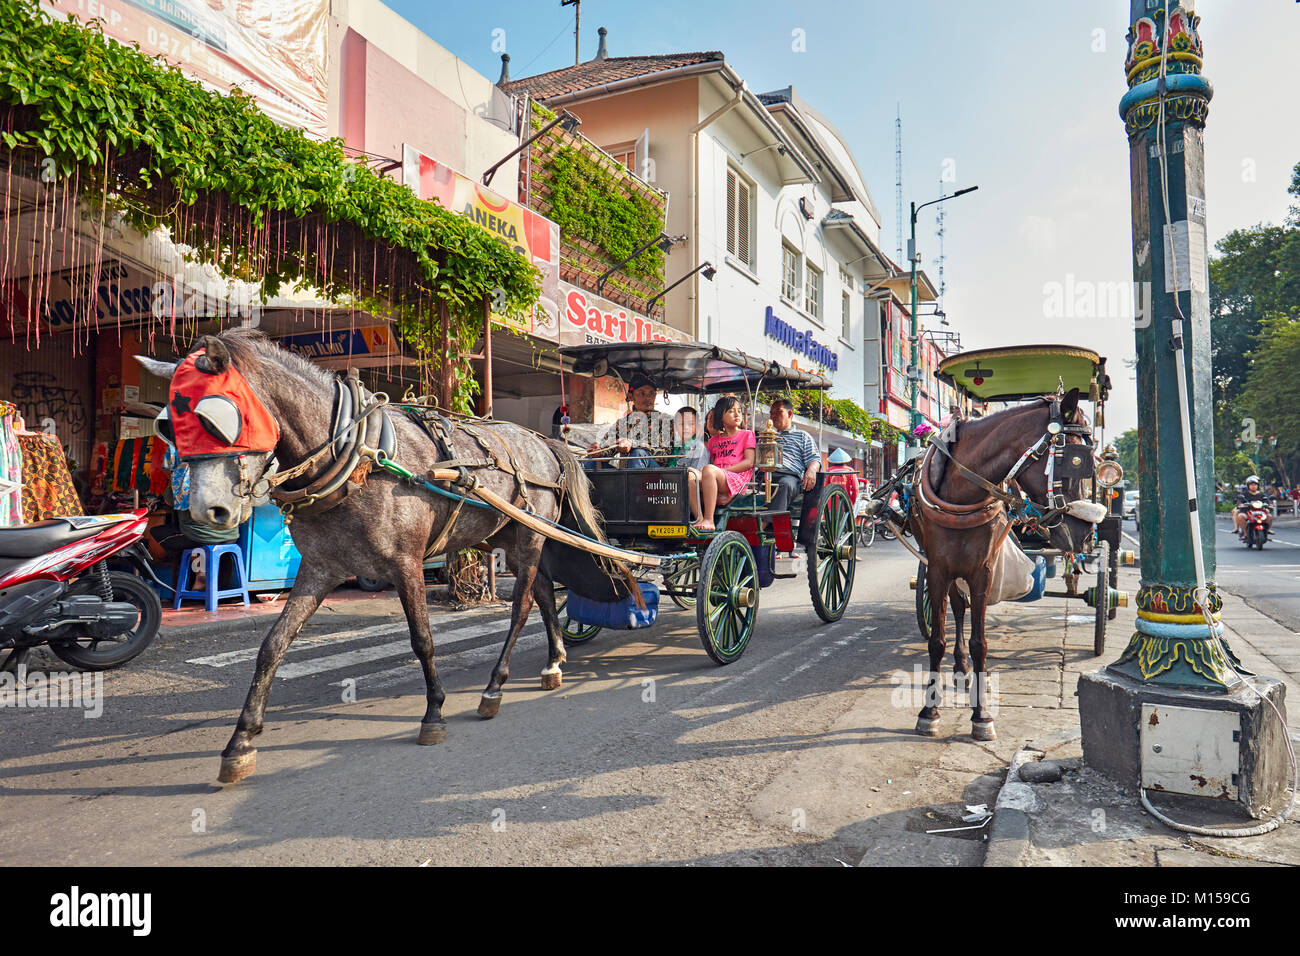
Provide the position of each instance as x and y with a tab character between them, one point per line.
813	288
846	303
740	218
790	269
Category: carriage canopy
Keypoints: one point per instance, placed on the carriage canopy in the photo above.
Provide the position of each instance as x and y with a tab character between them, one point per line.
690	367
1018	372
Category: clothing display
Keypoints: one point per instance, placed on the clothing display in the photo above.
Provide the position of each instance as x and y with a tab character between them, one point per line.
47	484
11	463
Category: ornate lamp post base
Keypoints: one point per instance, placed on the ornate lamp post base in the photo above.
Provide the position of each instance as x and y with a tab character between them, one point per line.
1173	647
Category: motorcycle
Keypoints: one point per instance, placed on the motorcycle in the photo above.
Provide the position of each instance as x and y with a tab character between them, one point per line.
56	589
1256	530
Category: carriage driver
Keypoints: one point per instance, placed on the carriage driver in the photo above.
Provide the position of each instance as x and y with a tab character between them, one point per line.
800	460
641	429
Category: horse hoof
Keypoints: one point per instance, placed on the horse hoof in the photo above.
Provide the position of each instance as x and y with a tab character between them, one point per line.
927	726
552	681
236	768
488	706
983	730
431	734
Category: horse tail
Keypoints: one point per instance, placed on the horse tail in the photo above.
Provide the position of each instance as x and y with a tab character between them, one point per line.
593	577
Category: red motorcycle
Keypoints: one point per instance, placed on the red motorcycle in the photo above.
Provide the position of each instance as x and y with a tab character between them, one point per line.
56	589
1257	521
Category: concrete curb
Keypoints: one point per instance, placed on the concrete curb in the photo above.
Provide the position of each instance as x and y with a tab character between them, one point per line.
1009	832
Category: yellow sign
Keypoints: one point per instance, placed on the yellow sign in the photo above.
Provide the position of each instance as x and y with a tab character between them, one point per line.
667	530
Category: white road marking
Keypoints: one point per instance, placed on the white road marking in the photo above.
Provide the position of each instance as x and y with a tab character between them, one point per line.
390	649
828	649
244	654
250	653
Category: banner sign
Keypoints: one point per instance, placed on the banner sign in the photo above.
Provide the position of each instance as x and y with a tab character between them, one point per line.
805	343
373	340
589	319
530	234
273	50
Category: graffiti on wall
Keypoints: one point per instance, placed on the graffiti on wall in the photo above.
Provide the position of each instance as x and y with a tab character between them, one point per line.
39	396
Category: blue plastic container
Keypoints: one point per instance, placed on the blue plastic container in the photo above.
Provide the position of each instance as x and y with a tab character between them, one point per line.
1040	581
620	615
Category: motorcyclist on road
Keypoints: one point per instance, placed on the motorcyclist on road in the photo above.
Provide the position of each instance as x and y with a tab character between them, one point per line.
1252	491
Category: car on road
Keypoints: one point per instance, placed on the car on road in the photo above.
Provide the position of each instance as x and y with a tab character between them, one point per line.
1131	499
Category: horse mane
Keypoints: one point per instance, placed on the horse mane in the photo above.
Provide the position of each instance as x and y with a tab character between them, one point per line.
253	349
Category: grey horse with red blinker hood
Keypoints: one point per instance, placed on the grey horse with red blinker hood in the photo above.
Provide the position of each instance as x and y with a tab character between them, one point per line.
250	418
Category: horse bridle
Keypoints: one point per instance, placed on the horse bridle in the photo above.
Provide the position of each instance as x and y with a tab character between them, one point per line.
1054	441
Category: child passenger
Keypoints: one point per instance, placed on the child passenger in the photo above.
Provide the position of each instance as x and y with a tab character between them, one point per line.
731	453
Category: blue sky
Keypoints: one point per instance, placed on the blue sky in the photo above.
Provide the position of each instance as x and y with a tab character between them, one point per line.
1020	99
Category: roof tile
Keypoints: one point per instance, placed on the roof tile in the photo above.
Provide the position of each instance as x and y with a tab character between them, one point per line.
572	79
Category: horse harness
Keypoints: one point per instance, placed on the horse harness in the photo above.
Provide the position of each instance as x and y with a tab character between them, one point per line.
1062	464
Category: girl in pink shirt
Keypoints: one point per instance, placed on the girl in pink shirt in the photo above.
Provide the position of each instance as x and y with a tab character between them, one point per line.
731	453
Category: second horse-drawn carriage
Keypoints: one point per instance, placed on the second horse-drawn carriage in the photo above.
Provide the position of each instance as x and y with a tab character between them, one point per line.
718	574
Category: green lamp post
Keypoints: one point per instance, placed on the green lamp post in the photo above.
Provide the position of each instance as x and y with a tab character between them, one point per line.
914	256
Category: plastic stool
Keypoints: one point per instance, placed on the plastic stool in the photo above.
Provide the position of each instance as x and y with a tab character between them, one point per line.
212	568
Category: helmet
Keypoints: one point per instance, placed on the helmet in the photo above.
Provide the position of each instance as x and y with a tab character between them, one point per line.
1253	480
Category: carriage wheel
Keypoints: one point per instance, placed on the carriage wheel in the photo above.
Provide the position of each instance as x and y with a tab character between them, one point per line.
866	531
922	601
727	597
833	555
685	575
1101	599
575	632
1114	579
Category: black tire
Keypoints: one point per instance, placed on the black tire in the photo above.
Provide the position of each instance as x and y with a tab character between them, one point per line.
832	555
866	531
1113	579
726	606
84	651
685	575
887	530
371	584
1102	600
922	601
575	632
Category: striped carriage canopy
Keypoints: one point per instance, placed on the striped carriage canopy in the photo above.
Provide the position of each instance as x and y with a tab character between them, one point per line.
690	367
1018	372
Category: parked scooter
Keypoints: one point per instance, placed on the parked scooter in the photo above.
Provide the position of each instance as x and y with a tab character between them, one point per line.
56	589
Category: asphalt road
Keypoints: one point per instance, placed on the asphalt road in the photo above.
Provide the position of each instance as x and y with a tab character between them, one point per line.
1267	580
648	753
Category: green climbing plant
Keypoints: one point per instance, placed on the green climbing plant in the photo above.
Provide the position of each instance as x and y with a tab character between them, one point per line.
260	201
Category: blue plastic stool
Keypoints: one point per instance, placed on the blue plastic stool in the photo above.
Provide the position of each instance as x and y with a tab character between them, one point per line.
212	568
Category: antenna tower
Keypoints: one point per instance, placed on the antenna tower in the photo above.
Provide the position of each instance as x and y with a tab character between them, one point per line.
898	184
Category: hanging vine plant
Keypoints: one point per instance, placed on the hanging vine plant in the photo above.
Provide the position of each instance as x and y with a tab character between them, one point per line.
133	136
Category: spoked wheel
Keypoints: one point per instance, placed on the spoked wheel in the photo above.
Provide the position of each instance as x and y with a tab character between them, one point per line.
887	530
1114	579
1101	598
685	575
727	597
575	632
922	601
92	650
832	557
866	531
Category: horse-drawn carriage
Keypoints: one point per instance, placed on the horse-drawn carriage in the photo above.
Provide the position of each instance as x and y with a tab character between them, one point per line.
718	574
1020	374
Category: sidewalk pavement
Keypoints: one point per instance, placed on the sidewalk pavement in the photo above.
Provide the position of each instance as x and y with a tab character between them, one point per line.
1086	819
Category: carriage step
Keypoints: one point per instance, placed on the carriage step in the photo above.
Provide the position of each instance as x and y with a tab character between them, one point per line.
792	574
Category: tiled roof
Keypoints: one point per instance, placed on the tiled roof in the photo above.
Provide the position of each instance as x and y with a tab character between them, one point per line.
584	76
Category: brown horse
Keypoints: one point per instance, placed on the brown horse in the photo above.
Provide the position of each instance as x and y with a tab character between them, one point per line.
961	517
383	527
